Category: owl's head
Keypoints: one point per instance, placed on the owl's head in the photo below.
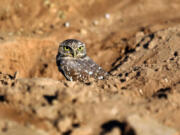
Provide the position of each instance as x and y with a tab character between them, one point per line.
72	48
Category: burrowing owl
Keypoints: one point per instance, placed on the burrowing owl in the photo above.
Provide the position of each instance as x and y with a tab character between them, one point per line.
74	64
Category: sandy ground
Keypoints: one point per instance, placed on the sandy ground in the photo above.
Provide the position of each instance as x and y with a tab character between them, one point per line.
136	41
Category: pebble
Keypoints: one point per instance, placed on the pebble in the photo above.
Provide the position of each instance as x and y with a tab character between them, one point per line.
152	44
64	124
67	24
107	15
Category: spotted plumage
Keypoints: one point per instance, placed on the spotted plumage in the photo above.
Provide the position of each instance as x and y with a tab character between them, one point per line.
74	64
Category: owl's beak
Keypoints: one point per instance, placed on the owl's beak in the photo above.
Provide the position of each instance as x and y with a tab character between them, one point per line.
74	54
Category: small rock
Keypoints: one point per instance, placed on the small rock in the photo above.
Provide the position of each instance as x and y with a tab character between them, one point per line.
107	15
152	44
67	24
139	36
141	92
64	124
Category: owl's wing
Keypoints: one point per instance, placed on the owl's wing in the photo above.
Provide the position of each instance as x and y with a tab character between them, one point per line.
95	70
80	69
75	73
72	69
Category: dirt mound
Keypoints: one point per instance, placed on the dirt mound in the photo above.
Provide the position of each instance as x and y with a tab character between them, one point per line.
31	30
153	64
145	83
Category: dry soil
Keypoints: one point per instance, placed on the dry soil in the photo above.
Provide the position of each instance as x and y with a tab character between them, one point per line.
136	41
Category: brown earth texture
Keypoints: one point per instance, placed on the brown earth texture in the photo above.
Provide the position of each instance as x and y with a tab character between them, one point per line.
136	41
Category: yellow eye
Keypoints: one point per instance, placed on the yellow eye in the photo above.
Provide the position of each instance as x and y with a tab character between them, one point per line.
80	48
66	48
